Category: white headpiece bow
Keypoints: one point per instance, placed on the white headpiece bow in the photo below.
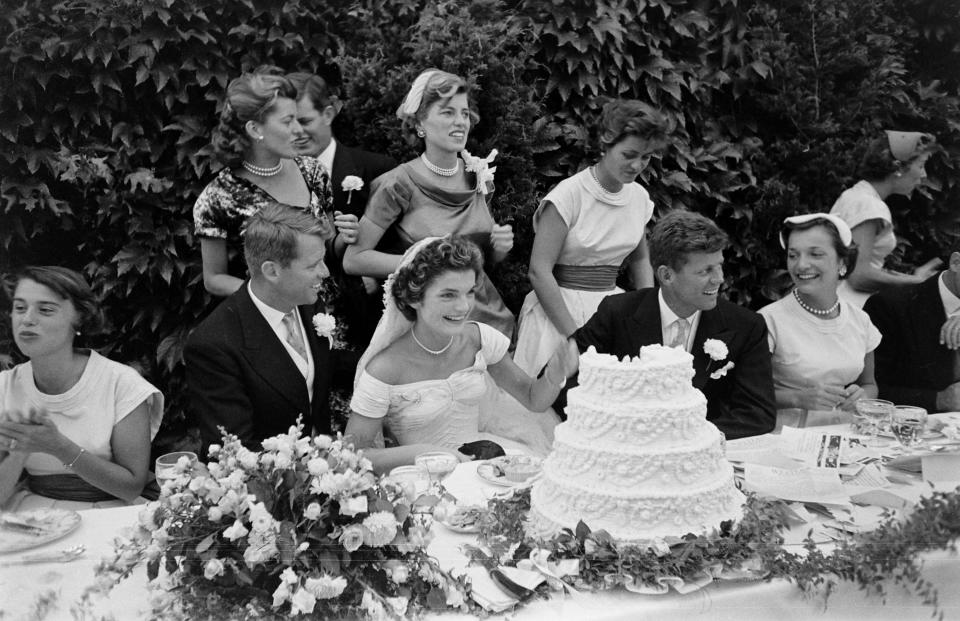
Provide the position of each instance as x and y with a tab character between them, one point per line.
843	229
393	324
411	103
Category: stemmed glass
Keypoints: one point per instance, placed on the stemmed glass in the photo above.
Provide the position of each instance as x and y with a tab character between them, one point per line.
874	411
439	465
165	466
908	423
413	480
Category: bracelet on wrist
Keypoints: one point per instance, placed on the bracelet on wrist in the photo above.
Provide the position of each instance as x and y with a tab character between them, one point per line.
71	464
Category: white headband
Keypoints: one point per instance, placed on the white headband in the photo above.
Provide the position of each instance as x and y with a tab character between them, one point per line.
846	236
411	103
903	145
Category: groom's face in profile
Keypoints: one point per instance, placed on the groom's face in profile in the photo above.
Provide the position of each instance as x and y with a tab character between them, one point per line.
695	285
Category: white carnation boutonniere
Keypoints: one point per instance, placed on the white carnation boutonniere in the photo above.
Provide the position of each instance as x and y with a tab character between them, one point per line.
349	184
481	167
717	350
325	325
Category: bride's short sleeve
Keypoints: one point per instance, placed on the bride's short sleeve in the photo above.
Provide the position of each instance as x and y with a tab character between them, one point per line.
493	344
371	397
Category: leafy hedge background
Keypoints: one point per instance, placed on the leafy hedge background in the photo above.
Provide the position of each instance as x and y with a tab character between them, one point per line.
107	107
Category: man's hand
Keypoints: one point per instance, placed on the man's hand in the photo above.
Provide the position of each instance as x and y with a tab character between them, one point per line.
950	332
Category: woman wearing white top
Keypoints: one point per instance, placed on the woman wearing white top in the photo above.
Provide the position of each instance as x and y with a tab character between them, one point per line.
893	164
77	424
821	346
586	228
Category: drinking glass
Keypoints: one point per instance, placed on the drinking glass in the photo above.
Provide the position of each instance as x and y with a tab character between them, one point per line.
874	411
438	464
165	466
908	423
413	480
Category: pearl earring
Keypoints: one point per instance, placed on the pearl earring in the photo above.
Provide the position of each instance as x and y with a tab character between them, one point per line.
259	137
843	272
421	133
78	333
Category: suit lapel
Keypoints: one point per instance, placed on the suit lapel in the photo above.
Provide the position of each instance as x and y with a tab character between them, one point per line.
268	357
644	328
320	350
712	325
343	165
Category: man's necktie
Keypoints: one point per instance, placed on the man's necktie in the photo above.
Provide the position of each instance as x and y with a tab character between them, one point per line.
680	336
294	338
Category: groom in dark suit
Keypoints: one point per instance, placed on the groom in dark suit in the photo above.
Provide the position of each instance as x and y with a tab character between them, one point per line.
256	363
317	107
686	252
918	360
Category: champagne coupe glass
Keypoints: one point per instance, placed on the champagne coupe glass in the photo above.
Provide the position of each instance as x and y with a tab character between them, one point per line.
874	411
413	480
165	466
439	464
908	423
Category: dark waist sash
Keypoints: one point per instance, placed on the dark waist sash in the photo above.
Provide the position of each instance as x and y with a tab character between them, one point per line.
586	277
66	487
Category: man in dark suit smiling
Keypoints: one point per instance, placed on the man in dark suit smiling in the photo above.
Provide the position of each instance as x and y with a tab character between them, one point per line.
257	363
686	252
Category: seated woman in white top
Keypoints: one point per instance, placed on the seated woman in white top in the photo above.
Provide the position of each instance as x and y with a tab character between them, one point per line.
821	345
75	427
422	379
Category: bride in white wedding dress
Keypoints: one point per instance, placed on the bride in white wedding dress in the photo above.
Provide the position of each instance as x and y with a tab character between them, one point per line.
423	379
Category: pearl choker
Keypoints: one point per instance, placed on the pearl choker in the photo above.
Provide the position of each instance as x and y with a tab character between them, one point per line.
593	173
820	312
432	352
261	171
443	172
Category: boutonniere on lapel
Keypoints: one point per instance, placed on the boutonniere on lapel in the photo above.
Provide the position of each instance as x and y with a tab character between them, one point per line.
325	325
480	166
718	352
349	184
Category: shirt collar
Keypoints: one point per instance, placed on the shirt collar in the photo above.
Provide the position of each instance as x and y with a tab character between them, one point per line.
667	316
272	315
951	303
326	156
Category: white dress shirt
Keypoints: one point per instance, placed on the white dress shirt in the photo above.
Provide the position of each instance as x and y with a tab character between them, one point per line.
669	325
275	321
951	303
326	156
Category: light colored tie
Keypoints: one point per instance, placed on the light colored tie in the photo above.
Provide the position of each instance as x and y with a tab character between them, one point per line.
680	336
294	339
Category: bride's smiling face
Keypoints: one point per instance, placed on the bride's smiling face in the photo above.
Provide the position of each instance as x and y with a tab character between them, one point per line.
447	301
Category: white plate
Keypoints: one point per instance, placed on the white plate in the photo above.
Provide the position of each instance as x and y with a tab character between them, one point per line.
488	472
55	523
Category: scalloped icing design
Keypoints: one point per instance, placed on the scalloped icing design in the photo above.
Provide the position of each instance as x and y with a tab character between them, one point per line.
637	425
658	374
634	519
599	466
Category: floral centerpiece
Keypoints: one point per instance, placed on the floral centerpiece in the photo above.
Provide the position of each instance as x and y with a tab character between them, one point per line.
303	527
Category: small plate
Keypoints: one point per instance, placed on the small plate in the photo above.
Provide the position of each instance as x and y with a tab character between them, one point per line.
53	524
488	471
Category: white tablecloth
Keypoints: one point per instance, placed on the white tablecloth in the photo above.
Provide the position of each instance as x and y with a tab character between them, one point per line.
21	585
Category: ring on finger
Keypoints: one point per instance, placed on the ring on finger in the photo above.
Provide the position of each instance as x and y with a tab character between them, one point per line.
12	443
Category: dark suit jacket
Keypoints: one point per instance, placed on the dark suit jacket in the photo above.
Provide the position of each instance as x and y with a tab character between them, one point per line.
364	164
910	364
240	376
741	403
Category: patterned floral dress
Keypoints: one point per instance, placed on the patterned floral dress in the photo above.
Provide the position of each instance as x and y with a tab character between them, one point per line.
223	207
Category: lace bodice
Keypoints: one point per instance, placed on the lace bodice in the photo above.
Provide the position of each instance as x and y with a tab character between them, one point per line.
444	412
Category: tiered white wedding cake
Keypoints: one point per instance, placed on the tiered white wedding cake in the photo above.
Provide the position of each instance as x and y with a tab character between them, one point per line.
636	456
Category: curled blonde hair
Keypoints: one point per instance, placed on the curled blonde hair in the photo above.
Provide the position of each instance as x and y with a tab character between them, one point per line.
250	97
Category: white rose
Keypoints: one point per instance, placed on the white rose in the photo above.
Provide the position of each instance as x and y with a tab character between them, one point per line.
317	466
213	450
322	442
282	462
716	349
324	324
213	568
248	459
313	511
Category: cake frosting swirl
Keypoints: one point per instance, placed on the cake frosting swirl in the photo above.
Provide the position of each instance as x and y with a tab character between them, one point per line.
636	456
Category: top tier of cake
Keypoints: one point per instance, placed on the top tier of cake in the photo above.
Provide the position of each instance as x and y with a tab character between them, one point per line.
660	374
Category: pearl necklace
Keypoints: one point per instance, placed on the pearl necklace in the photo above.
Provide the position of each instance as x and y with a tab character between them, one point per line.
261	171
433	352
443	172
816	311
593	173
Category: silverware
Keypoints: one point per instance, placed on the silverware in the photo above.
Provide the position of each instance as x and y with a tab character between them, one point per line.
60	556
12	522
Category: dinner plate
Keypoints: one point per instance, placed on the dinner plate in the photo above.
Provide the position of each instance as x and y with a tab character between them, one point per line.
488	471
52	524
